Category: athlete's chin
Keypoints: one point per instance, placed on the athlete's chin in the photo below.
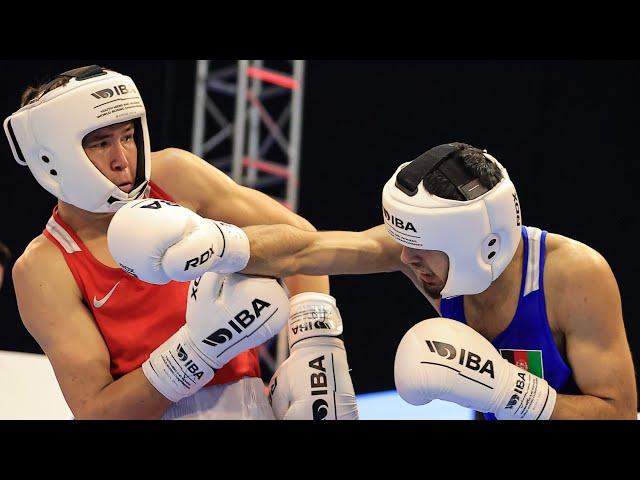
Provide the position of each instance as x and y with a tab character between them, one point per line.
434	291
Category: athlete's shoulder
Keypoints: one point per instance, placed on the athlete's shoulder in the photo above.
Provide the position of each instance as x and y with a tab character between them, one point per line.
567	257
577	280
41	258
167	158
189	180
171	164
175	171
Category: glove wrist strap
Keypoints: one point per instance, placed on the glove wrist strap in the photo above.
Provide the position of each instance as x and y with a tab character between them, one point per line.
526	397
313	315
176	368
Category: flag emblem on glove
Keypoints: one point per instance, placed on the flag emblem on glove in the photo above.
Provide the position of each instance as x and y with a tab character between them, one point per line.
529	360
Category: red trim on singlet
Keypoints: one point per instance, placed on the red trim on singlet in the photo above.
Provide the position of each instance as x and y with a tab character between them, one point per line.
161	193
160	309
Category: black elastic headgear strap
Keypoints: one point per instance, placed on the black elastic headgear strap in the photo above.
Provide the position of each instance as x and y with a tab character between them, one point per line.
84	73
469	187
81	73
444	158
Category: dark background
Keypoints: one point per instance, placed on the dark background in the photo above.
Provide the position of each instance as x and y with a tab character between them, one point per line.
565	129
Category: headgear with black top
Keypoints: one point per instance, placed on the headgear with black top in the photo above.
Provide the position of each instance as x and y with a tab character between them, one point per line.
480	234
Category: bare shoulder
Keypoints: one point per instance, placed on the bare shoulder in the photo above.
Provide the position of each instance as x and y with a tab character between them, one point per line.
569	259
579	283
40	266
186	177
166	162
41	258
170	170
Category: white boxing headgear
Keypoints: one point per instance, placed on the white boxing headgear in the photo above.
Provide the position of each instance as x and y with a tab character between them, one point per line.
46	135
480	235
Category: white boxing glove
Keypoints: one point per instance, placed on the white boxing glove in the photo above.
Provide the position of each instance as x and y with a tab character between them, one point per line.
226	315
158	241
314	382
440	358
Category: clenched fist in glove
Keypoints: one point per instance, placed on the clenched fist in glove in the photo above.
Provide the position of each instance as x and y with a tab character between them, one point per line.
444	359
158	241
226	315
314	382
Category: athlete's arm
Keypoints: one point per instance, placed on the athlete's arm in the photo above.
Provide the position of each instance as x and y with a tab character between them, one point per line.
285	250
211	193
582	291
51	308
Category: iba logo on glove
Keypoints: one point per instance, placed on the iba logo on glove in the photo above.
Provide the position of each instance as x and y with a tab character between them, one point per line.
469	360
239	323
188	363
319	386
309	326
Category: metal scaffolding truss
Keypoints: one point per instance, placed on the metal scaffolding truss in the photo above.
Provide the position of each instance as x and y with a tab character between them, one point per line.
247	121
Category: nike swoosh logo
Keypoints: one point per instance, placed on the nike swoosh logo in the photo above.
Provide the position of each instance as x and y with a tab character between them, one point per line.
99	303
